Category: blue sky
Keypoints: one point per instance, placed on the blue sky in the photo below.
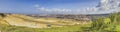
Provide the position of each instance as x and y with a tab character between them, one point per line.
32	6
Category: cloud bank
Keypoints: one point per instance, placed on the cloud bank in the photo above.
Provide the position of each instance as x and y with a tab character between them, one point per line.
105	6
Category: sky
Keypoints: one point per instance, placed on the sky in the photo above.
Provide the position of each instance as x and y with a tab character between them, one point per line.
45	6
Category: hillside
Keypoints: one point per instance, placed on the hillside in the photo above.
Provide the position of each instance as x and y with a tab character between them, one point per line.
32	22
23	23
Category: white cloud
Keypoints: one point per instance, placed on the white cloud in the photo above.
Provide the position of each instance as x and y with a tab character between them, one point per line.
53	9
92	10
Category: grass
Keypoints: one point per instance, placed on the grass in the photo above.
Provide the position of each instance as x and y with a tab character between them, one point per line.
74	28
